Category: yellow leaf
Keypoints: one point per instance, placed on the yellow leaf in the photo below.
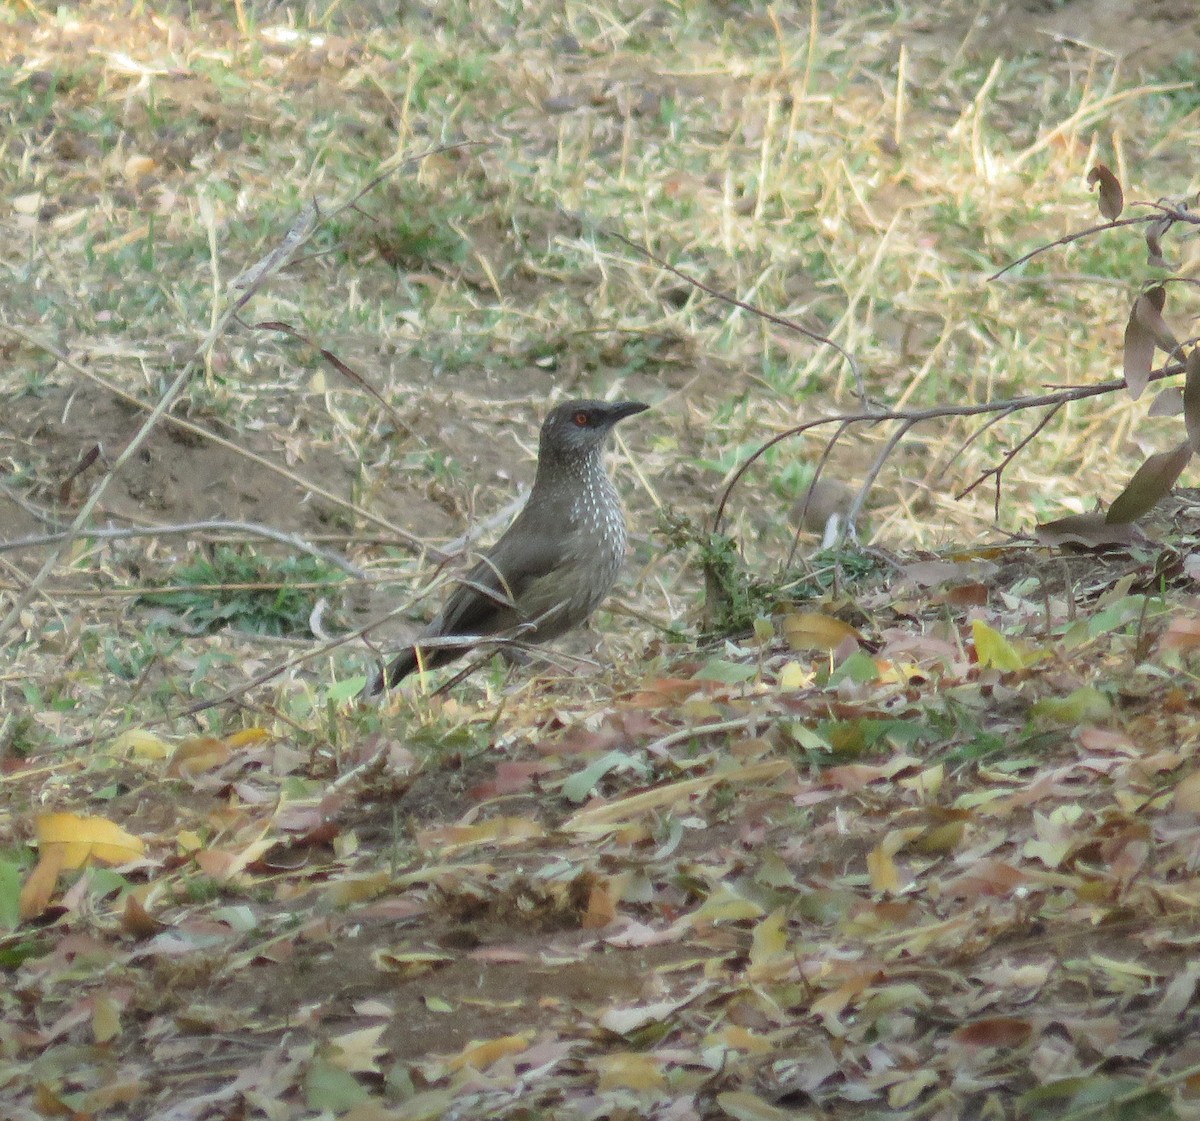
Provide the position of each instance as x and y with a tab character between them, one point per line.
738	1038
81	838
198	754
408	965
742	1105
1083	705
429	1105
903	1094
927	783
770	938
106	1018
39	887
1187	794
358	889
188	840
1126	968
494	831
625	808
629	1070
479	1056
725	905
359	1051
247	737
885	876
997	652
137	166
939	840
808	630
794	676
136	743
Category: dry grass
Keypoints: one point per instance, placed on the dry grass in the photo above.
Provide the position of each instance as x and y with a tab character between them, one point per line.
863	181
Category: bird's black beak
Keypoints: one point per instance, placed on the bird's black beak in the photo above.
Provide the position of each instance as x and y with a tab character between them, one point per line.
619	410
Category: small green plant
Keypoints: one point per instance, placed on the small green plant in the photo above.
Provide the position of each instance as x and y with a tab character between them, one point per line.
732	598
243	589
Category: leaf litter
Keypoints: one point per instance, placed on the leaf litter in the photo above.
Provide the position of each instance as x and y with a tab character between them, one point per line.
948	862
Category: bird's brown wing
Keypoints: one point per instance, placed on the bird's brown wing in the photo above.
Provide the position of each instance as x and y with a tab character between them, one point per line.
481	602
480	605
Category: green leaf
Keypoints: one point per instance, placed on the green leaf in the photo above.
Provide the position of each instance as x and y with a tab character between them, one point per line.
727	673
580	785
859	667
1086	705
329	1087
348	689
10	891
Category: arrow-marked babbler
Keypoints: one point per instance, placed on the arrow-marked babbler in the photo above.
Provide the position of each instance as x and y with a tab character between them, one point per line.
555	563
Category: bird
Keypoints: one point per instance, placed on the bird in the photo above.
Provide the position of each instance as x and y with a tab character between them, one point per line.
555	563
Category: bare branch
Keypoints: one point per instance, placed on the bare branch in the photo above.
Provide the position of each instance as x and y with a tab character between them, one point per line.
911	417
217	525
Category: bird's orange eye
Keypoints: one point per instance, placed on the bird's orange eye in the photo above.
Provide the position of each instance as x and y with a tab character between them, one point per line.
581	420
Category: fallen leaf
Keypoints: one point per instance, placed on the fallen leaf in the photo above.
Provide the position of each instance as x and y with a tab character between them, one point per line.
811	630
83	838
480	1056
629	1070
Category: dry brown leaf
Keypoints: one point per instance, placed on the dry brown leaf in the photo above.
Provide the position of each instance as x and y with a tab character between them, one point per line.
136	920
1089	531
998	1031
1145	329
812	630
1149	308
1112	198
1150	483
601	904
1154	235
1181	634
1191	398
1167	403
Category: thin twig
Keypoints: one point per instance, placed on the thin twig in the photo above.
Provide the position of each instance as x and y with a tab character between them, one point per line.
1008	457
213	525
733	301
916	416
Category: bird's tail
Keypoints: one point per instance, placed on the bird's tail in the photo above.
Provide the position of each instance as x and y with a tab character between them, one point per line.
401	666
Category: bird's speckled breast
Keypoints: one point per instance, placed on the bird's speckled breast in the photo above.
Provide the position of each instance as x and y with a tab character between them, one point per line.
600	535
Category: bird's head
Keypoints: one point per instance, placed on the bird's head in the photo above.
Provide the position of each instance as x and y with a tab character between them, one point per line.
576	431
